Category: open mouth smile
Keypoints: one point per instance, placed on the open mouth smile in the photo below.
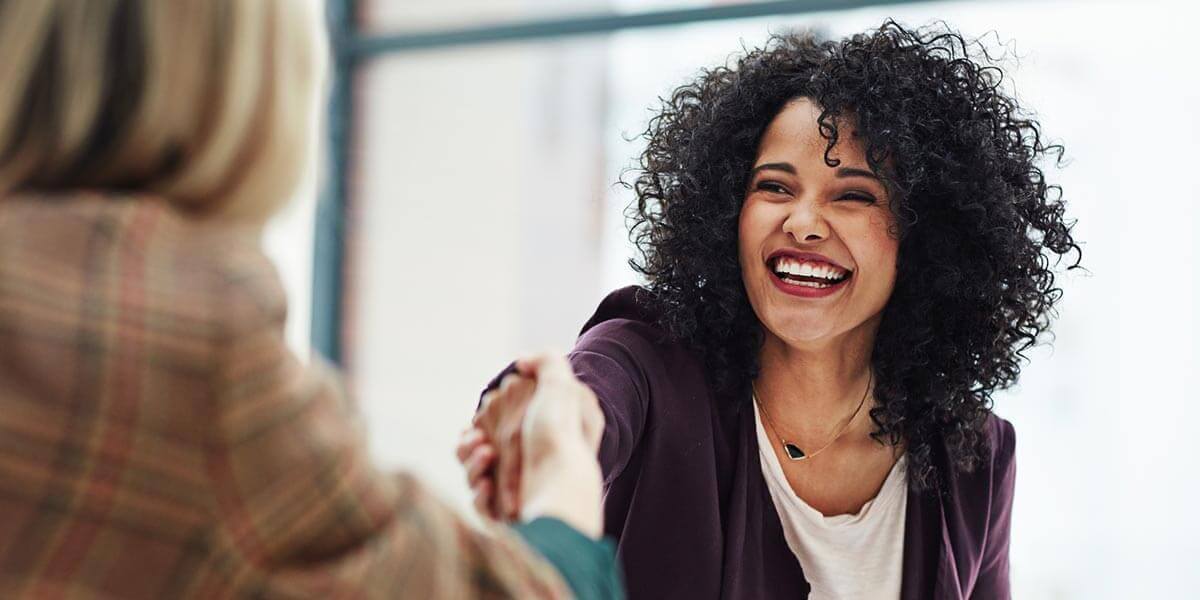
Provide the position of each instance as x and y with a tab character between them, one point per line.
806	275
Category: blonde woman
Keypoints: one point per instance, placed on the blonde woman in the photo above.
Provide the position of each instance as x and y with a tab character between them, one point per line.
157	439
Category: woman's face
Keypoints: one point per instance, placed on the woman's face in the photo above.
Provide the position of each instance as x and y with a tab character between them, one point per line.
817	254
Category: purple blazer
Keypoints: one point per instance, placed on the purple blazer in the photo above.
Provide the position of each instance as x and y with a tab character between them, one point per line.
687	503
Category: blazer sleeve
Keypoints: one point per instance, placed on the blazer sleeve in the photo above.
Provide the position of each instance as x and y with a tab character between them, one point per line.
993	580
612	359
299	509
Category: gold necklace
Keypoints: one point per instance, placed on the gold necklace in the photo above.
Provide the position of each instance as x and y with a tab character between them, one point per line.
792	450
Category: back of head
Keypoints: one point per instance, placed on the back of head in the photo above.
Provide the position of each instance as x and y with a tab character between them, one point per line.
203	102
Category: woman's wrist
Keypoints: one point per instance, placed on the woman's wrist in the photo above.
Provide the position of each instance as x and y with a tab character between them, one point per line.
565	484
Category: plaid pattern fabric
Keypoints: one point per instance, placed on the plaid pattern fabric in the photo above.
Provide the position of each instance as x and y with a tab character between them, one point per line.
158	440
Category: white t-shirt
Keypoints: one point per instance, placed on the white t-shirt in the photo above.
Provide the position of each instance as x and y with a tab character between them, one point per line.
846	557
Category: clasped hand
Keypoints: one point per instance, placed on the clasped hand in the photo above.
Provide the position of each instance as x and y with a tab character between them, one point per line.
531	450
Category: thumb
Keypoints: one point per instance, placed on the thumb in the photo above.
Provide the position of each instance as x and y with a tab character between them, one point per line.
547	365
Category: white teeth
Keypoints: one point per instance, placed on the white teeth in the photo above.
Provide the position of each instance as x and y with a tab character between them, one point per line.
790	266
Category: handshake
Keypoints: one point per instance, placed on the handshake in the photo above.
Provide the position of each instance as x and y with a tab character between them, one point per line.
531	449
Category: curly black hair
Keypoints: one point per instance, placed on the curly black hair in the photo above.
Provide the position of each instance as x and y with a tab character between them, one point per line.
977	221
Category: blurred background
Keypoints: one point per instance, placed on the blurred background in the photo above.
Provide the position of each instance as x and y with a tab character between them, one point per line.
463	211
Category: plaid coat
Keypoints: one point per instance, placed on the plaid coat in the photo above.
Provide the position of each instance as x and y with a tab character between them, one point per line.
158	440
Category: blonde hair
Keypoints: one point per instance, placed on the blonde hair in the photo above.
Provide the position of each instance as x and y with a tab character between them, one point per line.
206	103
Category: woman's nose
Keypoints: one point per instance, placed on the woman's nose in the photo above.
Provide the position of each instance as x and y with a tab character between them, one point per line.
806	223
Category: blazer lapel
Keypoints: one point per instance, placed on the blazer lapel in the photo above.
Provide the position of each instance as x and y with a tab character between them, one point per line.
947	581
926	547
758	561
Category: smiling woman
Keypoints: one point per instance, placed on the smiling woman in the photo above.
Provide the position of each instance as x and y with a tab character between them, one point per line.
817	250
847	247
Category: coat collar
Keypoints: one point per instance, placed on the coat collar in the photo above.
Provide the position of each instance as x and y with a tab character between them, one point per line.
929	567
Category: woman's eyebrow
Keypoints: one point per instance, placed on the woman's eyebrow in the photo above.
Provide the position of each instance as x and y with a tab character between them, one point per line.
775	166
853	172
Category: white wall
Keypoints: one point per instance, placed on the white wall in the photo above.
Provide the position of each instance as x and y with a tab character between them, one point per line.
288	240
478	190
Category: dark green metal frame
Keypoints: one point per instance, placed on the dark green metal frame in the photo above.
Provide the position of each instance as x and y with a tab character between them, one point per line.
351	48
329	239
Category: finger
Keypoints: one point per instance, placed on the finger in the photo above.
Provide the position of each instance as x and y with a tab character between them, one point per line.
513	505
467	442
484	498
483	413
508	478
509	380
487	397
480	462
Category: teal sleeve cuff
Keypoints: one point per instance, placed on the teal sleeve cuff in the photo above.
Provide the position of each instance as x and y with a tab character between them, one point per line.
588	566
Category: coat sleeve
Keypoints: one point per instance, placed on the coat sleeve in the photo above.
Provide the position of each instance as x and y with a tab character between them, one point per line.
612	359
298	508
993	580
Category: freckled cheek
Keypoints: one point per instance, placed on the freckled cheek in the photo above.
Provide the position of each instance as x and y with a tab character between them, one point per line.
882	266
883	252
874	251
753	231
751	235
880	245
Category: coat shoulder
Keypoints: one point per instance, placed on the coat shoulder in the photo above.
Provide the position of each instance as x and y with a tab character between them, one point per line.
1001	438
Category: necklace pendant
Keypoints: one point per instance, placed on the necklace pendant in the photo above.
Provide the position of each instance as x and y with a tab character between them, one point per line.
793	451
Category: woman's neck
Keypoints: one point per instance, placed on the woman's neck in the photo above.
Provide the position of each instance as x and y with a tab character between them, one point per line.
811	390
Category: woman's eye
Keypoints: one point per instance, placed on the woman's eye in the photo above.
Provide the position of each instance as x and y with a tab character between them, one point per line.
858	197
771	186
